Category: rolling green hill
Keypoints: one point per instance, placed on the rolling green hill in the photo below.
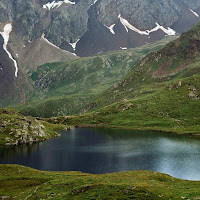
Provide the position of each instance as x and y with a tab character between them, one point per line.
162	92
66	87
172	108
139	185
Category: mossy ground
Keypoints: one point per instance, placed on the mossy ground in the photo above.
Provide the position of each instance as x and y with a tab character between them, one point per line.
18	182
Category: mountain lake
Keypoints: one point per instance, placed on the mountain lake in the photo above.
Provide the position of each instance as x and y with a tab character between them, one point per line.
104	150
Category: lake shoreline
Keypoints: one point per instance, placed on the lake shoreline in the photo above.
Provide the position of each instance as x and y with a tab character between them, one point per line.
100	150
178	132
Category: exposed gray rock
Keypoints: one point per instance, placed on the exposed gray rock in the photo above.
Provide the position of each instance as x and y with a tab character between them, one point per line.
142	14
18	129
68	23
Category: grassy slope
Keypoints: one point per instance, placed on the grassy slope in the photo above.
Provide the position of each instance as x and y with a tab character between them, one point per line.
26	183
66	87
162	92
169	109
16	128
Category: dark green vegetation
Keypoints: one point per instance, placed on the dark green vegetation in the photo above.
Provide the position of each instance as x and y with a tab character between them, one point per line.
18	182
162	92
65	88
18	129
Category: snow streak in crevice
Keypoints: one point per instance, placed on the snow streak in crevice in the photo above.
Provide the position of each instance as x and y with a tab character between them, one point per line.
6	34
94	2
74	44
196	14
111	28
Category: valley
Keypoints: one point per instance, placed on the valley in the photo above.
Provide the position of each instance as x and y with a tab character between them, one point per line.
58	31
64	88
102	87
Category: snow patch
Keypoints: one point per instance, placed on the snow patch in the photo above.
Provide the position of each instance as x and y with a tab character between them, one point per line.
196	14
168	31
111	28
123	48
69	2
128	26
6	34
51	5
94	2
74	44
54	4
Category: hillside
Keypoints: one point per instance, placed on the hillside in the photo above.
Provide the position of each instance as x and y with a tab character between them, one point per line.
170	108
33	184
161	92
66	87
17	129
178	59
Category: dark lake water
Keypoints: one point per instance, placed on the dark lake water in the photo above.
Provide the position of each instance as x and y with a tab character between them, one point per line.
100	150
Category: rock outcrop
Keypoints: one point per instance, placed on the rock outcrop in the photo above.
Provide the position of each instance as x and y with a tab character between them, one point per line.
17	129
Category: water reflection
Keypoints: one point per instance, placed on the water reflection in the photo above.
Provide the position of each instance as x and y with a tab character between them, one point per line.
8	152
100	150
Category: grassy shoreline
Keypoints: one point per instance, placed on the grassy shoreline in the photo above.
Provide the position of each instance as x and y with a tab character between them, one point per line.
179	132
169	109
19	182
78	121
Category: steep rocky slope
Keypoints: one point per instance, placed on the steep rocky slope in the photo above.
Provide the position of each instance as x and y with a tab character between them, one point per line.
90	26
17	59
178	59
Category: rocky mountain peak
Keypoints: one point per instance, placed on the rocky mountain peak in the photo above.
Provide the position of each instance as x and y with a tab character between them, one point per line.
45	31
